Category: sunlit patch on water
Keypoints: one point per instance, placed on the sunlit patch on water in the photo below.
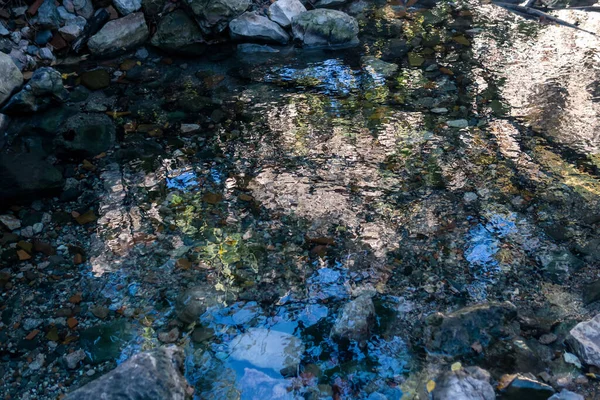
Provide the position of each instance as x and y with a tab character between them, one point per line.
182	180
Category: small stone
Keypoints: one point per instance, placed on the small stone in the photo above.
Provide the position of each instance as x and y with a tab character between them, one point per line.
74	358
91	372
100	311
31	323
458	123
96	79
37	363
10	222
283	11
470	197
23	256
521	386
439	110
548	338
462	40
32	334
86	218
169	337
415	60
127	7
468	383
355	320
72	322
75	299
566	395
189	128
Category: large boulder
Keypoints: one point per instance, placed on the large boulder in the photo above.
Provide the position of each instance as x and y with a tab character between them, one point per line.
86	135
355	320
471	383
43	89
120	35
214	15
454	334
179	33
283	11
154	375
12	78
584	338
253	27
323	27
24	176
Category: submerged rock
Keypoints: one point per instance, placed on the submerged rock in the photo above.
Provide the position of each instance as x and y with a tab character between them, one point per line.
284	11
471	383
258	385
378	67
254	27
120	35
26	176
194	302
104	342
86	135
43	89
154	375
585	340
526	388
355	320
12	78
177	32
455	333
214	15
566	395
265	348
325	27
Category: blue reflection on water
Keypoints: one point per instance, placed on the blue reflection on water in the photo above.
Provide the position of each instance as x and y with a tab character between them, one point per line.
184	181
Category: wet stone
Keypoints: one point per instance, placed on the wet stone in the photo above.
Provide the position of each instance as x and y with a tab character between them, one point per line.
73	359
527	388
355	320
104	342
585	340
97	79
566	395
471	383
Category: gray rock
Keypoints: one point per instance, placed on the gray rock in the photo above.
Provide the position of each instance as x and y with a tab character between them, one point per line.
73	359
4	120
86	135
26	176
126	7
153	375
379	68
47	15
458	123
43	89
254	27
179	33
214	15
194	301
255	384
559	264
267	349
283	11
455	333
65	15
471	383
325	27
527	387
3	30
355	320
584	338
73	28
83	8
46	54
566	395
329	3
12	78
120	35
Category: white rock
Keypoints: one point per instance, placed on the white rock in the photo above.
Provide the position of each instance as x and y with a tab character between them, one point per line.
120	34
73	359
37	363
264	348
10	221
31	323
187	128
566	395
585	340
439	110
282	11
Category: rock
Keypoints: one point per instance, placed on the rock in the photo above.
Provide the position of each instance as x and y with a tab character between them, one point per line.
170	336
179	33
10	222
521	387
379	68
3	30
458	123
471	383
329	3
83	8
323	27
153	375
283	11
43	89
73	29
26	176
584	338
264	348
566	395
253	48
194	302
591	292
214	15
46	54
73	359
559	264
255	384
86	135
43	37
100	311
126	7
548	338
455	333
189	128
120	35
96	79
47	16
355	320
415	60
12	78
254	27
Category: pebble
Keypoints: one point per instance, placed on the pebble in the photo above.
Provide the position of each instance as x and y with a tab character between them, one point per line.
470	197
37	363
458	123
188	128
439	110
10	222
548	338
73	358
142	53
